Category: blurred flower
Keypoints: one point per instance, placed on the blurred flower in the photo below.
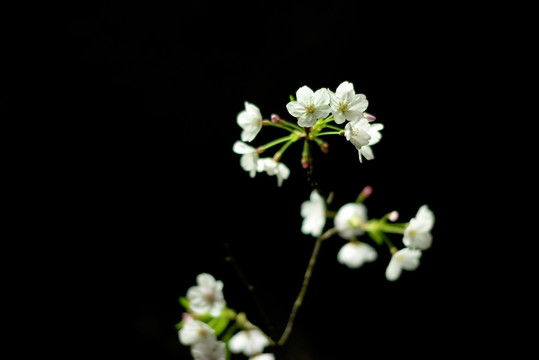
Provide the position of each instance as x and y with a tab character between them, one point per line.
350	220
407	259
417	235
313	212
263	357
249	342
249	157
195	331
207	296
346	104
309	106
272	167
250	120
356	253
214	350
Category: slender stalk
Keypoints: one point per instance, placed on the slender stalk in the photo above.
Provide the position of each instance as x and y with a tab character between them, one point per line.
274	142
333	127
250	288
306	280
281	151
331	133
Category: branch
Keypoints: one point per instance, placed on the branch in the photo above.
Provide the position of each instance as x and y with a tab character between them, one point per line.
306	280
232	261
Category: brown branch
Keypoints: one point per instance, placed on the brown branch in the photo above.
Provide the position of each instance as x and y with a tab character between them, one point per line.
306	280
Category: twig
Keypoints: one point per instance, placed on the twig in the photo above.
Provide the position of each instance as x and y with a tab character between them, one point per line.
232	261
306	279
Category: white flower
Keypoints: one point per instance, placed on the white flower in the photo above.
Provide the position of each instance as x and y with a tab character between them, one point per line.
374	133
310	106
407	259
214	350
263	357
250	342
357	132
356	253
417	235
346	104
350	220
250	120
207	296
249	157
313	212
195	331
272	167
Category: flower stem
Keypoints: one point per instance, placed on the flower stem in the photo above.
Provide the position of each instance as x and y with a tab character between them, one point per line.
397	228
341	132
274	142
306	280
279	154
333	127
250	288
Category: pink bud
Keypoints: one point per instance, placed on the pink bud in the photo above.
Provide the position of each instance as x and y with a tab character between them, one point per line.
324	146
275	118
366	192
393	216
369	117
305	162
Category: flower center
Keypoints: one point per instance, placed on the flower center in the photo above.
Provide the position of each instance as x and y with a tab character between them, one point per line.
210	297
309	109
355	221
343	107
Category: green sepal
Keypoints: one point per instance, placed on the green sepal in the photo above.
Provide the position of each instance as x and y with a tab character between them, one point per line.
184	302
377	236
219	323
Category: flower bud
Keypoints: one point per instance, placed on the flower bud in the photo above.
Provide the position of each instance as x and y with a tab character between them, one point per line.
305	162
324	146
369	117
393	216
275	118
365	193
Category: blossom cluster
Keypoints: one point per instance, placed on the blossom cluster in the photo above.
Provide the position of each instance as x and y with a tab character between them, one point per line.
212	330
314	111
351	221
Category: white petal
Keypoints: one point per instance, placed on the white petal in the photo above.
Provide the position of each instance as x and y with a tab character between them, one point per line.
238	342
242	148
205	280
367	152
321	98
304	95
374	132
393	270
344	89
307	120
295	109
426	218
338	117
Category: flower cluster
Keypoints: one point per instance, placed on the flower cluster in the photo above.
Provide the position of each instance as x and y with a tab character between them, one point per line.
213	330
351	221
316	112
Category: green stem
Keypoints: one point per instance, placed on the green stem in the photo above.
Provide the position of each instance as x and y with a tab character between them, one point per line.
293	126
274	142
281	151
306	280
330	133
333	127
397	228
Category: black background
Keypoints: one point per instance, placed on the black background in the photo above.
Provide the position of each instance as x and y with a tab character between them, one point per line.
150	188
